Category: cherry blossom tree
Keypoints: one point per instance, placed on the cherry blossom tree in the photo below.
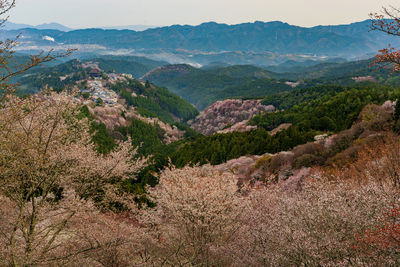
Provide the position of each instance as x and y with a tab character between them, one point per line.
197	215
7	53
49	173
388	21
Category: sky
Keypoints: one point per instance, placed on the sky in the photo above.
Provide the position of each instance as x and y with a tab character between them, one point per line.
99	13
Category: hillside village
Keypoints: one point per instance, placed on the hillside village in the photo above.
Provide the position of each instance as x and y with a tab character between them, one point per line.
112	109
96	84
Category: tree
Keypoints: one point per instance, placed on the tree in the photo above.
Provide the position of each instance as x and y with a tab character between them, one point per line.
396	117
50	172
197	215
52	179
6	53
387	21
99	102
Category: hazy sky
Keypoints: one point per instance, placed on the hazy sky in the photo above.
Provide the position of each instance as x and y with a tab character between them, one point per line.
95	13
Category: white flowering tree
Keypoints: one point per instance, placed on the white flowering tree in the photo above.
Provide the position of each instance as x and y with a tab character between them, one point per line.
49	173
197	215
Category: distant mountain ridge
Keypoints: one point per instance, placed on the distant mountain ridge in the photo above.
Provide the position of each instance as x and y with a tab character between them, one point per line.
277	37
57	26
45	26
138	27
258	43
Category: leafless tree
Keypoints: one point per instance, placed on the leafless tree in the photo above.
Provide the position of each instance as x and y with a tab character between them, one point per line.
6	54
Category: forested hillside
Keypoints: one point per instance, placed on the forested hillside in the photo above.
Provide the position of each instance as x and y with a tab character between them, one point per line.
346	73
152	101
203	87
313	111
137	66
149	100
50	73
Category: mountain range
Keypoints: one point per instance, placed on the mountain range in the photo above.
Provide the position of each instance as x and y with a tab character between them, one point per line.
258	43
45	26
57	26
138	27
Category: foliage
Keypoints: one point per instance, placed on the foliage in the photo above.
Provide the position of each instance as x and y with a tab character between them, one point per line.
388	22
137	66
39	78
326	108
100	135
201	217
155	101
203	87
380	162
334	111
147	137
287	100
219	148
396	117
102	138
384	236
65	182
189	132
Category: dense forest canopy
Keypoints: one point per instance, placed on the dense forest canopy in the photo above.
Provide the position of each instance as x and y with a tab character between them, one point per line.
249	81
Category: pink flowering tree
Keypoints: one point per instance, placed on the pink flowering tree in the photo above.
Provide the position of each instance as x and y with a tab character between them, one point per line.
388	21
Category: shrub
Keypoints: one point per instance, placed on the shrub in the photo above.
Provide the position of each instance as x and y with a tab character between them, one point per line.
375	118
308	160
345	157
309	148
263	162
281	160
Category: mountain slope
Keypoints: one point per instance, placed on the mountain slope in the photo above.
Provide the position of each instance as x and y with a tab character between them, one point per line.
346	73
149	100
203	87
137	66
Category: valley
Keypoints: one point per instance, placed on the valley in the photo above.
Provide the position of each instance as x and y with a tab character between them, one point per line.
256	112
243	144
